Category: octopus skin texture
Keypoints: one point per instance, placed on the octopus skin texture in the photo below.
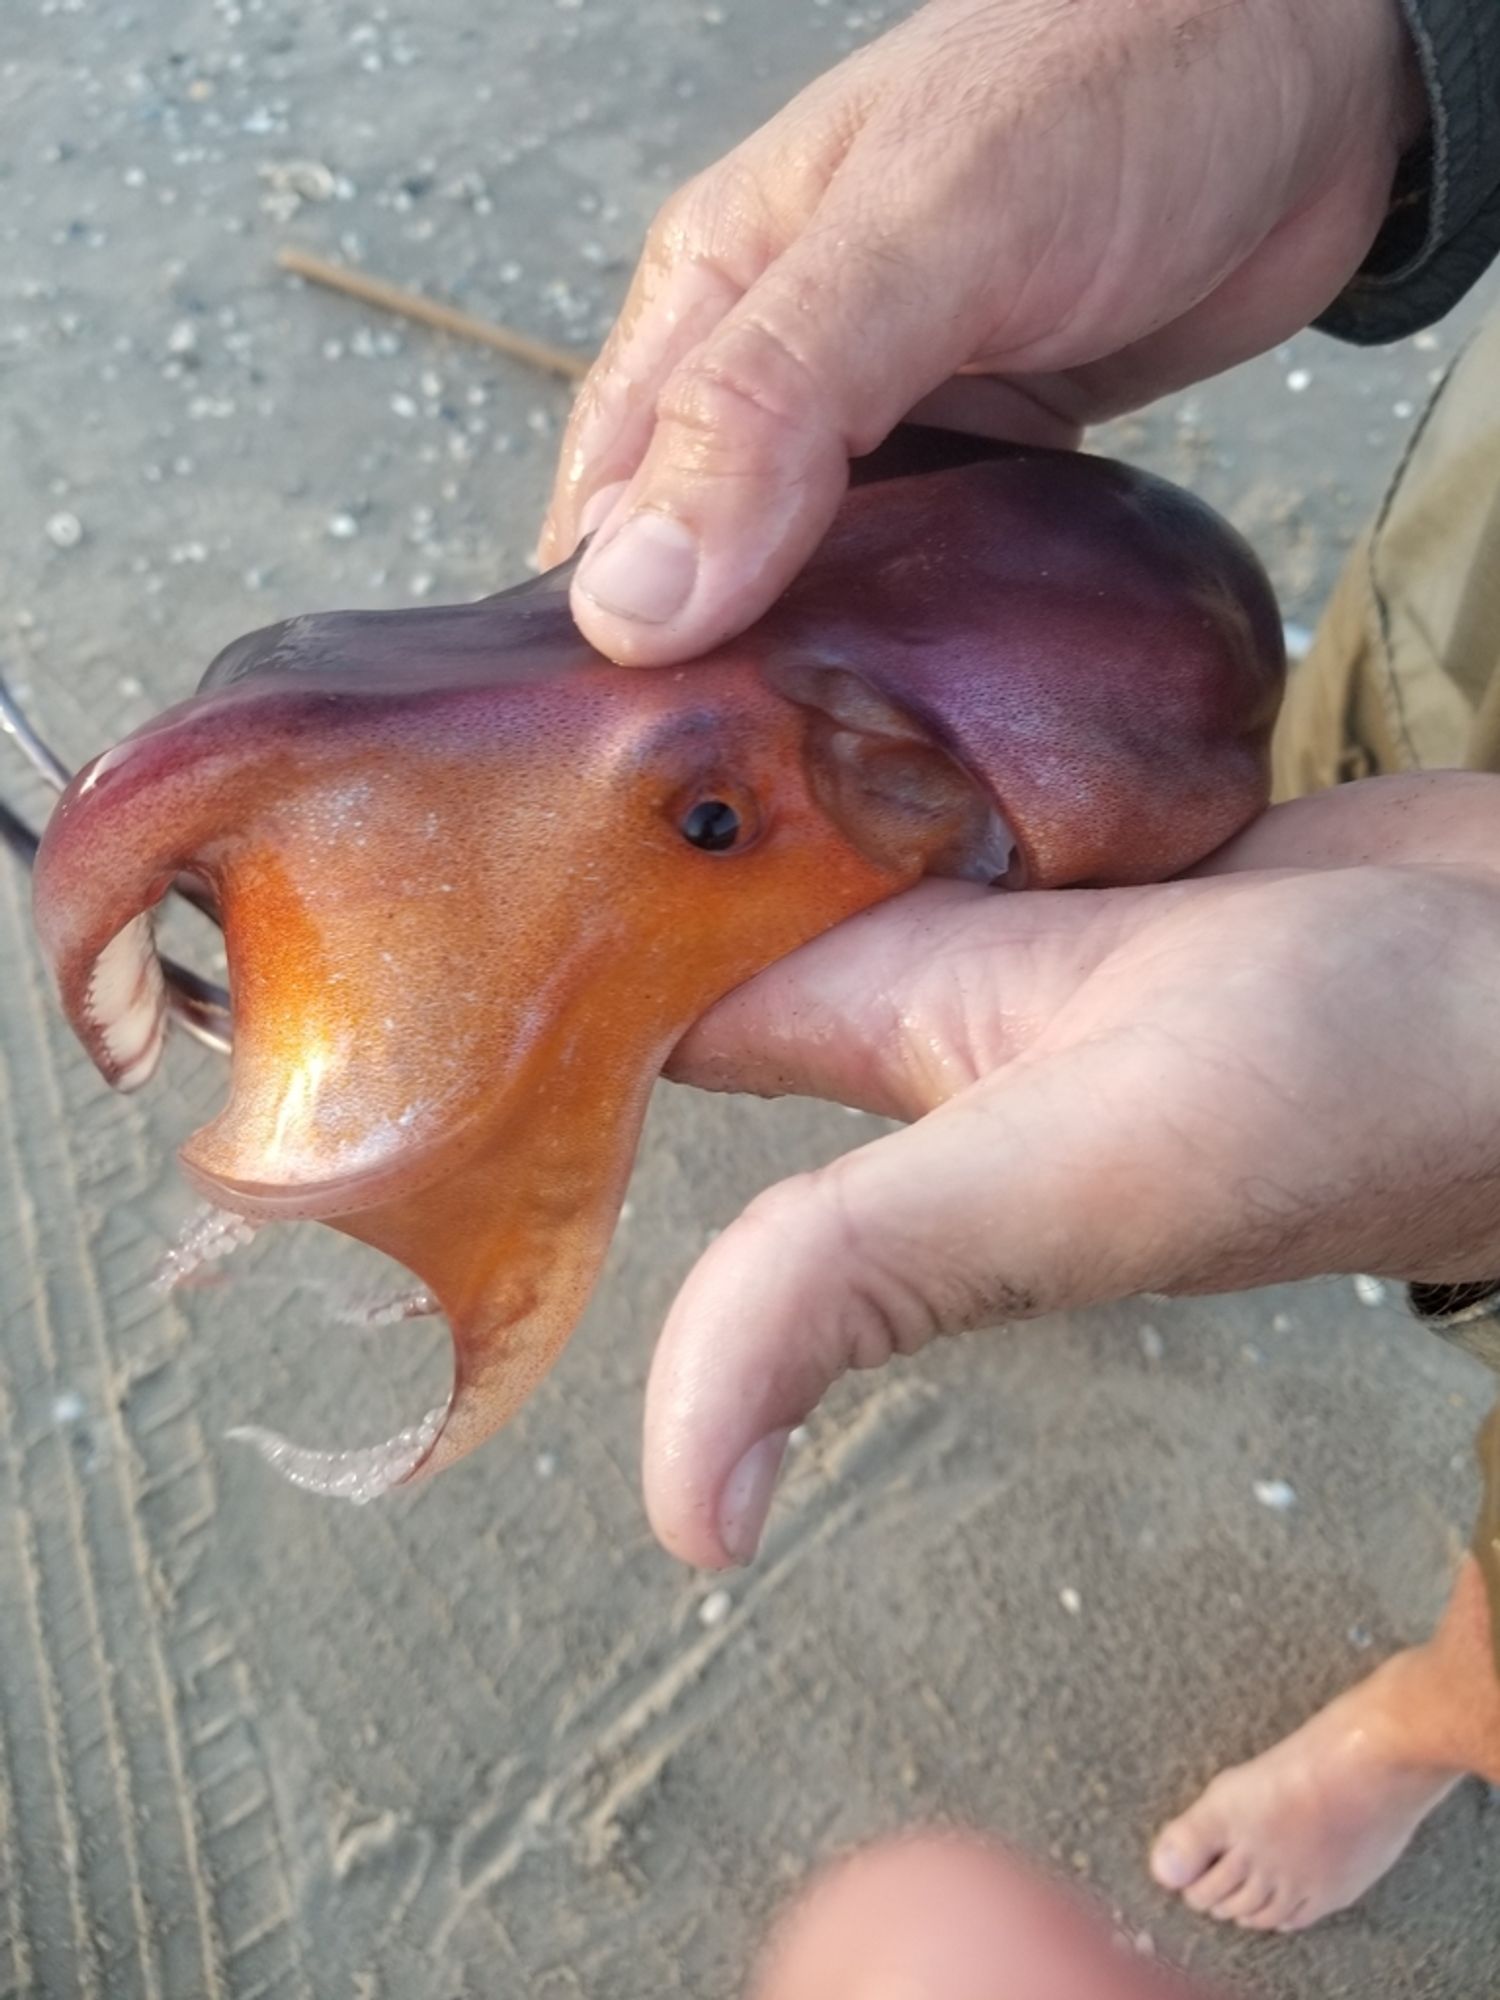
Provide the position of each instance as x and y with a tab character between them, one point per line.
476	881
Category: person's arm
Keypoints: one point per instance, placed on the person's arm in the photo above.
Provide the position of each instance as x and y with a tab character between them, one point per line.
1011	216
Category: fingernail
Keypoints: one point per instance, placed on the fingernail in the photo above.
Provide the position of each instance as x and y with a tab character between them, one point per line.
747	1495
1171	1869
644	572
598	509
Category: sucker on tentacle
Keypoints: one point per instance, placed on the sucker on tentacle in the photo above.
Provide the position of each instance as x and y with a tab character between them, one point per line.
360	1475
209	1235
389	1309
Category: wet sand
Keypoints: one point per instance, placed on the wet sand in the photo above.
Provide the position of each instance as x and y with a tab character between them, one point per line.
488	1740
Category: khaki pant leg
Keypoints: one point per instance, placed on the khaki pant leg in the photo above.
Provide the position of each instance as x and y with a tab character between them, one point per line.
1404	673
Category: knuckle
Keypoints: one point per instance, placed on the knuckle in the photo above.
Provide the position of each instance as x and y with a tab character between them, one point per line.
777	1212
886	1304
873	1290
670	235
864	1307
749	382
721	216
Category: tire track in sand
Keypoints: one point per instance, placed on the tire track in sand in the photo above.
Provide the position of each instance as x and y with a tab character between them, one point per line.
147	1853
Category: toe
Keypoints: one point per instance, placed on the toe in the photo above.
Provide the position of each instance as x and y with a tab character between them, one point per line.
1256	1895
1273	1913
1217	1884
1299	1915
1186	1849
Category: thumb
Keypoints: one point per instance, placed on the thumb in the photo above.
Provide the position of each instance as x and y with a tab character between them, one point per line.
1032	1191
749	455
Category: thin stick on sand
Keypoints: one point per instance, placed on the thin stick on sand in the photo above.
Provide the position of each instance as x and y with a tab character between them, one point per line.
429	312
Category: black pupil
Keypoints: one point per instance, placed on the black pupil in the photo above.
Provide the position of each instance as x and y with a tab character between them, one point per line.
712	825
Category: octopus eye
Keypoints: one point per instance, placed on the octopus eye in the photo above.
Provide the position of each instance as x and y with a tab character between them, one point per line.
711	824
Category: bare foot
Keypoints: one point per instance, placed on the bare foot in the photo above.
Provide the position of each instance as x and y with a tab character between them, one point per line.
1306	1828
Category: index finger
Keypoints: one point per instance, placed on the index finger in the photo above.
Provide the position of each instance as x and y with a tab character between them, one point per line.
675	301
708	244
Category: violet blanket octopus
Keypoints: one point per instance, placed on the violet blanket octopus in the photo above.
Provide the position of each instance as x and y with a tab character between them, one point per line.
475	881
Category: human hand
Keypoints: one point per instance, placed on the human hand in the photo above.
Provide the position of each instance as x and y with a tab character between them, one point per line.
1285	1065
1013	217
950	1916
